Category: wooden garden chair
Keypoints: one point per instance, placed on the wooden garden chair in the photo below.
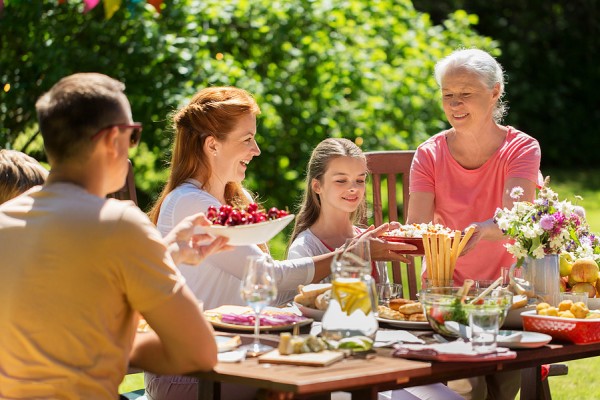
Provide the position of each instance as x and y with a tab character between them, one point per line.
393	168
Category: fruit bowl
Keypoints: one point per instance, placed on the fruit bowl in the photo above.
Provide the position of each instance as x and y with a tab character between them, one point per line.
443	305
243	235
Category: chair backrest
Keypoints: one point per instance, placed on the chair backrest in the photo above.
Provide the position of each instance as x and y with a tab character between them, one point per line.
127	192
394	168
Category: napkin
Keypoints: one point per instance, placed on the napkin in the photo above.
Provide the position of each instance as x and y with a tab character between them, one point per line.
458	350
395	336
232	356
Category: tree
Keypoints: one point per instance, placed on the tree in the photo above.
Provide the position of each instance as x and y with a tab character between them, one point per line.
362	70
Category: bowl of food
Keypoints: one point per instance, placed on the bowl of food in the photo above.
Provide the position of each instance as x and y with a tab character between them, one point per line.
414	233
255	233
447	310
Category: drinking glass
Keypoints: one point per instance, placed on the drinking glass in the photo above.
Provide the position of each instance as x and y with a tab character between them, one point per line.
484	324
258	290
388	291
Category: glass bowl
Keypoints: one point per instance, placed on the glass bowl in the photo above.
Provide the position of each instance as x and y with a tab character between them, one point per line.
443	305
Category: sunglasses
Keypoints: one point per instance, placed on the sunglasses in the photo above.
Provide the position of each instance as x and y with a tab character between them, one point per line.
136	132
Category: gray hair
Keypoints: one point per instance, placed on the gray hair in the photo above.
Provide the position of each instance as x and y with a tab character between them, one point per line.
481	63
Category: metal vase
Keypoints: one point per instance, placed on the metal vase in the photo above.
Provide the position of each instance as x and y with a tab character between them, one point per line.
544	274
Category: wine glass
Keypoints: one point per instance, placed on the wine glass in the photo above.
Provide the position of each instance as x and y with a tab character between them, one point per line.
258	289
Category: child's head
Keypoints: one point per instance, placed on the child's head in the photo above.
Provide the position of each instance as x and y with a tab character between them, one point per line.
349	176
18	173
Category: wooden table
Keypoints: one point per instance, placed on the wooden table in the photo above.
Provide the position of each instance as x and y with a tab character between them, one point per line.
365	378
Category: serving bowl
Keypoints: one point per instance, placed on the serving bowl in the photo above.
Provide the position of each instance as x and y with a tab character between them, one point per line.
447	311
415	241
243	235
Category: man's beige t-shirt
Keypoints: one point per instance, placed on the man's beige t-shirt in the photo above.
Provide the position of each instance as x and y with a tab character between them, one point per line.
73	268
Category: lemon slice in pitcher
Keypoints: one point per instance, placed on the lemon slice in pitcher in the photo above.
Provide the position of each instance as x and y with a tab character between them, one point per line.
351	295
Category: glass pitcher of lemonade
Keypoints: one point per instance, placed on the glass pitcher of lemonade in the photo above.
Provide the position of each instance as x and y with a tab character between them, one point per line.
351	310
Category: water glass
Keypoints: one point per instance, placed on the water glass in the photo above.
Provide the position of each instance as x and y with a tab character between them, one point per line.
388	291
484	326
258	289
505	273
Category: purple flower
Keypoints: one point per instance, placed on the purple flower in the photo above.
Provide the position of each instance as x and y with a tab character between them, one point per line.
547	222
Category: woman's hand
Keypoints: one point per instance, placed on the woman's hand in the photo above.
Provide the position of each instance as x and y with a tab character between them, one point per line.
475	238
191	248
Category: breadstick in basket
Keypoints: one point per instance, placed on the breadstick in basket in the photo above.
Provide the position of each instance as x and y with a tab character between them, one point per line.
427	248
465	239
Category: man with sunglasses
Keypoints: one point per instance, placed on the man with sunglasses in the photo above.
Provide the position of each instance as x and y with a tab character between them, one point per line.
76	268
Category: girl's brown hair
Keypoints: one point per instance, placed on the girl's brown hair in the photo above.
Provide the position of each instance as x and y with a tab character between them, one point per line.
213	111
320	158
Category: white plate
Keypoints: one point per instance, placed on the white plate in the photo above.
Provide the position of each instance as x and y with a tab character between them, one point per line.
405	324
528	340
244	235
310	312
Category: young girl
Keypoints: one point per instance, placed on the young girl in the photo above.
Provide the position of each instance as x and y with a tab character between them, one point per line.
332	207
334	200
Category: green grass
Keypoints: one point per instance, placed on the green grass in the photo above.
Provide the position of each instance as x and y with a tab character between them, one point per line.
581	380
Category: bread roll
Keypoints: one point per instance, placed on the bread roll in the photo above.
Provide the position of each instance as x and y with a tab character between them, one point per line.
322	300
308	294
411	308
388	313
395	304
420	317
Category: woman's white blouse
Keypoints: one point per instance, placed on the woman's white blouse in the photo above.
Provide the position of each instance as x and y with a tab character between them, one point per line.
216	281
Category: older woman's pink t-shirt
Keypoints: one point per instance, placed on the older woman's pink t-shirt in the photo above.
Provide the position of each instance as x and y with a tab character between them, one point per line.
463	196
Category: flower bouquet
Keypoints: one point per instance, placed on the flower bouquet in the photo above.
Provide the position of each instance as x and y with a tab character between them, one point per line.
546	226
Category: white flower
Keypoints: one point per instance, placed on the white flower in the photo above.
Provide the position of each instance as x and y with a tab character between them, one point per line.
516	193
538	252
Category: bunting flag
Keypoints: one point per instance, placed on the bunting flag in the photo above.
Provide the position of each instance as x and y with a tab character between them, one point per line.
1	6
89	5
155	3
110	7
62	2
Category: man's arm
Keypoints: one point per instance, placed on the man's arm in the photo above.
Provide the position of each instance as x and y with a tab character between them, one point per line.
182	340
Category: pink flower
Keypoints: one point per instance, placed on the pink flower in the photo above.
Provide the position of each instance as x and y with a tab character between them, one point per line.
547	222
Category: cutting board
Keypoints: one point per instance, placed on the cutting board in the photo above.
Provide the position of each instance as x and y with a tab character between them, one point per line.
320	359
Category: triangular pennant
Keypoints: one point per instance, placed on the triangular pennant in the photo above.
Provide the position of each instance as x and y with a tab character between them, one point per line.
62	1
90	4
110	7
156	4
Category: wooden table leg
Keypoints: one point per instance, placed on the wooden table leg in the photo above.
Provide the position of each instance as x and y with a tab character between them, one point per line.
367	393
209	390
531	384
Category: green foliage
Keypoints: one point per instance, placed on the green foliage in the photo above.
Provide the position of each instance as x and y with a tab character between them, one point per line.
317	68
